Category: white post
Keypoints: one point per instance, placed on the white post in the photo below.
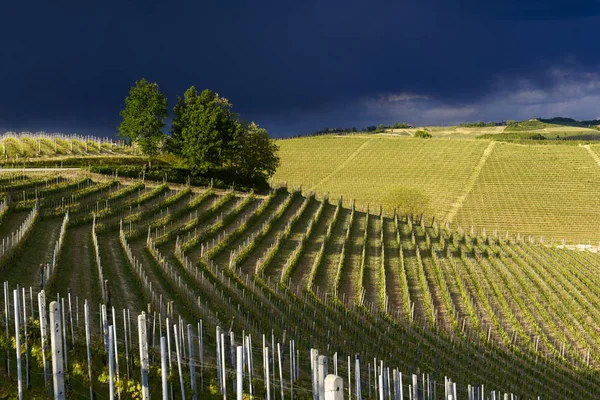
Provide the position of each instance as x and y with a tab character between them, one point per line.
116	350
111	364
266	362
279	363
239	372
321	374
191	361
143	340
223	371
163	367
179	361
86	311
18	343
58	372
43	333
333	388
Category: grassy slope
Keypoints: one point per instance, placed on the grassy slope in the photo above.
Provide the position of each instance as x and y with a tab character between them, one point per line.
530	189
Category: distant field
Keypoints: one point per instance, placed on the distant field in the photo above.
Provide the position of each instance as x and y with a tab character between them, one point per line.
548	191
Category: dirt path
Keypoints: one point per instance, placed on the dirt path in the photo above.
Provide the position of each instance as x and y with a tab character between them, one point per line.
124	289
24	269
470	183
329	264
342	165
75	270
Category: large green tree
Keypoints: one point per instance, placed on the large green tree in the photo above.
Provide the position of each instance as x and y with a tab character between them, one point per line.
207	128
175	142
254	153
144	116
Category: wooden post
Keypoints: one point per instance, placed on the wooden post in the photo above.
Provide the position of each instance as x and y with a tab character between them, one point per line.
86	312
18	343
333	388
143	340
163	367
58	373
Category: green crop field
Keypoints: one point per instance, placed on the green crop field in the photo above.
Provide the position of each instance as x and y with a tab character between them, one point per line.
540	190
314	265
491	310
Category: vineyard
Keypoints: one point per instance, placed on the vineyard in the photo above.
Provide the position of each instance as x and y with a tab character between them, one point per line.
19	146
262	284
548	191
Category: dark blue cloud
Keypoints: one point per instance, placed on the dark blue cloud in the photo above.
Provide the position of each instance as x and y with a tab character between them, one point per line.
292	66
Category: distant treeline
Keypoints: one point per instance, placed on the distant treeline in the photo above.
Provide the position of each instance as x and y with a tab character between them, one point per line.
368	129
572	122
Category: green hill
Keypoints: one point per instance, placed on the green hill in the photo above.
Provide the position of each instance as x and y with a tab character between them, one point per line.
548	191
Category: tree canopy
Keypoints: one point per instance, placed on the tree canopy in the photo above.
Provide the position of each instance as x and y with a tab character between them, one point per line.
144	116
408	200
207	129
255	154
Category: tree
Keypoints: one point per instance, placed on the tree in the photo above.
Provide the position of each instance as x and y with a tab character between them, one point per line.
255	153
144	116
408	200
207	129
175	142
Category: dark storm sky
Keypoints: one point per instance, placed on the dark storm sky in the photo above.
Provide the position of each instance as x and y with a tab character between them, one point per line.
297	66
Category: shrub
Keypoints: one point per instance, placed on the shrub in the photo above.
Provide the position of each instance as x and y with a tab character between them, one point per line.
422	134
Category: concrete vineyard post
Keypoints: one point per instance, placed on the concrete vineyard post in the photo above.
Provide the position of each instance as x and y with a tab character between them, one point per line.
43	333
18	343
86	312
280	364
7	319
333	388
163	367
58	373
24	298
143	343
116	350
266	365
177	350
126	344
239	372
322	368
191	361
111	364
